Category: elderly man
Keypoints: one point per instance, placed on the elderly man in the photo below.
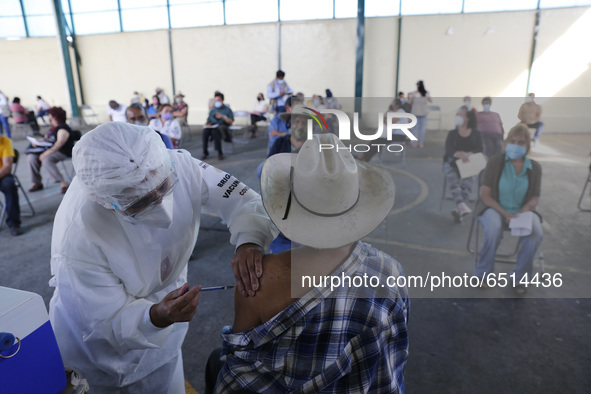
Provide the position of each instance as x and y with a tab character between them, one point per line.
121	241
530	114
180	109
136	114
8	187
298	334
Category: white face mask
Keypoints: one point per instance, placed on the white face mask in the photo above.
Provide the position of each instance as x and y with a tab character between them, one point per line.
280	81
458	121
486	107
159	215
529	99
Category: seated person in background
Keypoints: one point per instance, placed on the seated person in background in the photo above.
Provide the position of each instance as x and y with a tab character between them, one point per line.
461	143
161	96
116	112
60	135
491	127
136	114
218	125
295	336
42	109
166	125
259	113
468	104
8	187
397	134
152	110
19	113
511	185
530	114
331	102
180	109
278	126
211	102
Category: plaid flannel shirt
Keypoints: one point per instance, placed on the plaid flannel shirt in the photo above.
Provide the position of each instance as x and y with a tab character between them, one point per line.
324	344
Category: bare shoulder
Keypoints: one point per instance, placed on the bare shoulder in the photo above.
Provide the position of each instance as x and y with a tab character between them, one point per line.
272	297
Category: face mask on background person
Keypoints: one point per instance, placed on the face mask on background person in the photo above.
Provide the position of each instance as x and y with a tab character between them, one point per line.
259	98
218	104
140	123
468	105
280	81
529	99
316	101
166	115
179	100
458	121
155	103
515	151
486	107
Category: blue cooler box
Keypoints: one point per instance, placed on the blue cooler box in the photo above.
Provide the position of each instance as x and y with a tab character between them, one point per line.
33	364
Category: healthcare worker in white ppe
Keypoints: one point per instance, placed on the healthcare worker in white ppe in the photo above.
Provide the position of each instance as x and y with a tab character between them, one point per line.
122	238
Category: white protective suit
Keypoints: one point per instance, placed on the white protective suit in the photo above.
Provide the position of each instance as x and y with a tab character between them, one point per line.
108	272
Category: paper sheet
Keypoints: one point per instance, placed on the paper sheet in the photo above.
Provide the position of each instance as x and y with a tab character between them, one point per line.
37	142
521	225
473	166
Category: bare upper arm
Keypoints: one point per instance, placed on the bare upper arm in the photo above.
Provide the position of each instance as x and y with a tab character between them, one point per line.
272	297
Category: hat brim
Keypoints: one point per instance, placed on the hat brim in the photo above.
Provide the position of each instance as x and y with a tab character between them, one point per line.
376	198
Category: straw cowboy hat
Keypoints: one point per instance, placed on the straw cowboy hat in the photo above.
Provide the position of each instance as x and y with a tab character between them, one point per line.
324	198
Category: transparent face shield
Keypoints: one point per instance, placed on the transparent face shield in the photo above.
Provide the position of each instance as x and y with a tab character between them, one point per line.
144	204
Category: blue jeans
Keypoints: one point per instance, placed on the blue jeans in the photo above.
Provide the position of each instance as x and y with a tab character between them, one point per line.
492	221
13	210
4	124
420	127
539	126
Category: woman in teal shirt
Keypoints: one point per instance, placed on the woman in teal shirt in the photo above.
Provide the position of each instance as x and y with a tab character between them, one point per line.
511	185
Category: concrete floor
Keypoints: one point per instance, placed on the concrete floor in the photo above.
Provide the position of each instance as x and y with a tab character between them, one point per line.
460	341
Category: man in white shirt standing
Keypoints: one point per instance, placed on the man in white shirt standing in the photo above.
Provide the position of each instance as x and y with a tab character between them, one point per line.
279	91
116	112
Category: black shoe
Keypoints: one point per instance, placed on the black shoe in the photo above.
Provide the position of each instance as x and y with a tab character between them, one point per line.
221	157
228	140
204	157
16	231
36	187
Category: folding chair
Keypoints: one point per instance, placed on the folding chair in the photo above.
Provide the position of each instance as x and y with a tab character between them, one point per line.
508	258
579	205
19	186
241	124
89	116
434	114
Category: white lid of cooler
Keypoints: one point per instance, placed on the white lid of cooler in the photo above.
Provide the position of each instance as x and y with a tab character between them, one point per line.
21	312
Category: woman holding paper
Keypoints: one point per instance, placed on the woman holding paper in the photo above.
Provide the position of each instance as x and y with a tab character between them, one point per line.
62	140
511	188
461	143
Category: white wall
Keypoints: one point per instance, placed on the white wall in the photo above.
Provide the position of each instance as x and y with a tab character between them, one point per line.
487	54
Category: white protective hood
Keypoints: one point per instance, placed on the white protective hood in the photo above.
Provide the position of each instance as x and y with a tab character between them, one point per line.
109	272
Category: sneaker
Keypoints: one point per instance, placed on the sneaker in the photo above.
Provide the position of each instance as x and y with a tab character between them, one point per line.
36	187
463	209
16	231
221	157
204	157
